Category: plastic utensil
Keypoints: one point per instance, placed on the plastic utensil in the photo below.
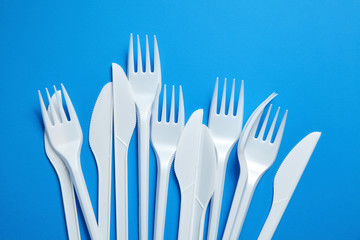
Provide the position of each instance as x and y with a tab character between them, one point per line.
144	86
243	168
225	130
124	124
100	141
67	189
286	180
65	136
259	155
164	138
195	169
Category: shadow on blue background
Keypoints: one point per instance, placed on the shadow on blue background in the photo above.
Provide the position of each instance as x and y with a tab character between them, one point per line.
307	51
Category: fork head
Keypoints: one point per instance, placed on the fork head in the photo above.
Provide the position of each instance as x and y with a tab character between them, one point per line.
260	151
225	127
166	134
64	134
144	83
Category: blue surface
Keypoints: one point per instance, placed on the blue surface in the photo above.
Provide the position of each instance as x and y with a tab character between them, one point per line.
307	51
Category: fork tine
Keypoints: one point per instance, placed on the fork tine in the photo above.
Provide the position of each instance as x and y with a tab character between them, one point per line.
281	129
256	125
222	106
130	63
163	111
147	57
53	111
172	106
45	115
263	127
69	104
60	106
181	113
139	60
240	106
213	106
155	110
271	131
231	104
156	57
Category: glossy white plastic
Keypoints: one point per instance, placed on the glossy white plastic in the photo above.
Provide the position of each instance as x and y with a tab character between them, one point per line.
243	168
195	169
164	138
144	85
67	188
225	129
124	124
100	141
286	180
65	136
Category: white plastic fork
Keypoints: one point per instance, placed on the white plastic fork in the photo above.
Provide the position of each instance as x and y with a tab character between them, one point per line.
67	188
259	155
144	86
65	136
225	129
243	168
164	138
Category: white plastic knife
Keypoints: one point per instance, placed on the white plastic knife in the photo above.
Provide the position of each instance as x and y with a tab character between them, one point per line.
195	169
100	140
286	180
124	125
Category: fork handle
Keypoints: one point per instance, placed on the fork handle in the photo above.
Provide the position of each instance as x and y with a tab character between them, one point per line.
143	171
162	185
84	200
121	189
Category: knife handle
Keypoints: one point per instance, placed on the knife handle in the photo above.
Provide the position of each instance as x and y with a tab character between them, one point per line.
143	171
186	207
276	212
197	221
121	189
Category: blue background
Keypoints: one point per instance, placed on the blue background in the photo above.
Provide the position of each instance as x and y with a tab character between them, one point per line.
307	51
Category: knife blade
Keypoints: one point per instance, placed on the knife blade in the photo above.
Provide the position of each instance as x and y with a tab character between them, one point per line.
286	180
124	125
100	141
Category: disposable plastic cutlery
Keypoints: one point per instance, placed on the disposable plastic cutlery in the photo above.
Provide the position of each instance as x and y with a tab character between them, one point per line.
65	136
164	138
225	129
259	155
144	86
67	189
243	167
286	180
124	124
195	169
100	140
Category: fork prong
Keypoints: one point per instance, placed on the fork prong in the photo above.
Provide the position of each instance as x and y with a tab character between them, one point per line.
139	60
271	130
231	103
130	63
69	104
255	125
213	106
263	127
156	57
172	106
181	113
147	57
45	115
53	111
155	110
280	132
240	105
163	111
60	108
223	98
